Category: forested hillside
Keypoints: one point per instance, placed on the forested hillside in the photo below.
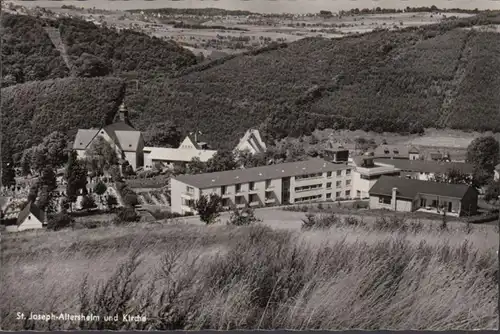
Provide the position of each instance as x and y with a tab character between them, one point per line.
28	53
436	76
384	81
33	110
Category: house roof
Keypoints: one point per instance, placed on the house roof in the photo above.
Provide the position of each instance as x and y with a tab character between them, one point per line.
129	140
111	130
33	209
193	142
410	188
83	138
310	166
392	151
178	154
414	150
253	138
426	166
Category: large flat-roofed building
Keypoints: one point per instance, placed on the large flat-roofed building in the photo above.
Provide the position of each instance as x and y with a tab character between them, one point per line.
367	172
294	182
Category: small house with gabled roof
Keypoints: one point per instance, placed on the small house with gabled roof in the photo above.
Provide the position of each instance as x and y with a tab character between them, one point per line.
30	218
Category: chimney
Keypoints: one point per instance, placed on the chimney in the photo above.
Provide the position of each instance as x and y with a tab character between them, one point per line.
393	199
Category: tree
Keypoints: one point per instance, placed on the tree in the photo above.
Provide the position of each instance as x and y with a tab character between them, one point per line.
39	158
76	177
91	66
111	201
114	172
483	153
88	202
55	145
196	166
221	161
46	200
101	156
48	178
492	191
163	134
26	161
100	188
454	176
126	215
208	208
8	172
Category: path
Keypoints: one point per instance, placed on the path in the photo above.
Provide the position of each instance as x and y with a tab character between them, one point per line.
55	37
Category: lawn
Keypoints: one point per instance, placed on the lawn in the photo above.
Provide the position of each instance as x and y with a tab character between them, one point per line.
188	276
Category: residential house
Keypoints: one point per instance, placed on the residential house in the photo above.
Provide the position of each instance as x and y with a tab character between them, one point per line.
251	142
409	195
294	182
127	141
366	172
191	142
30	218
425	169
414	153
335	153
394	151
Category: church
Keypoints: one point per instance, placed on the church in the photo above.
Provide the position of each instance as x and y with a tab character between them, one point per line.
127	141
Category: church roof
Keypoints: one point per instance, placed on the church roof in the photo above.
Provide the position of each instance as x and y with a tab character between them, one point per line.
83	138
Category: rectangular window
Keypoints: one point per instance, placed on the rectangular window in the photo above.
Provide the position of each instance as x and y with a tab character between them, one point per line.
225	202
251	185
268	183
329	195
223	190
348	182
339	184
238	188
384	199
328	185
189	189
337	194
339	173
329	174
347	193
347	172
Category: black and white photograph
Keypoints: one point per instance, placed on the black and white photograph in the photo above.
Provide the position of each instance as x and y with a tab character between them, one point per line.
249	165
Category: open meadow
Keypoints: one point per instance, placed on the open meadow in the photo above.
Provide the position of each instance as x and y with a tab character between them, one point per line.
188	276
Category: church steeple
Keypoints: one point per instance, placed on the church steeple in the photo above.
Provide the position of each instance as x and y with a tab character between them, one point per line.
123	114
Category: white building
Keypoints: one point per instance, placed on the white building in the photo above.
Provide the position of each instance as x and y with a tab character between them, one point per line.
30	218
169	157
367	172
127	141
286	183
251	142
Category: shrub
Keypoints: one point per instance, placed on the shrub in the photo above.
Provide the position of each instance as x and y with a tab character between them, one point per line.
208	208
243	217
88	202
325	221
126	215
60	221
131	199
353	221
111	202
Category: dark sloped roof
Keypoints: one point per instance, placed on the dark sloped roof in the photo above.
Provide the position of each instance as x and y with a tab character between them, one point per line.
427	166
409	188
310	166
33	209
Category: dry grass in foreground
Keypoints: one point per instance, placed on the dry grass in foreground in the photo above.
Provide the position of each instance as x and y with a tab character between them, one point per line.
224	277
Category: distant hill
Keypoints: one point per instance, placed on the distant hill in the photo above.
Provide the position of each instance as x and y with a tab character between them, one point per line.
33	110
28	53
399	81
443	75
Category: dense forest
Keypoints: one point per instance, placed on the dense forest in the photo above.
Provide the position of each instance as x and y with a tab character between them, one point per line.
33	110
434	76
382	81
28	53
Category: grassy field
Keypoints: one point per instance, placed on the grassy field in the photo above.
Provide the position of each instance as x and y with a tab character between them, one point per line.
183	276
